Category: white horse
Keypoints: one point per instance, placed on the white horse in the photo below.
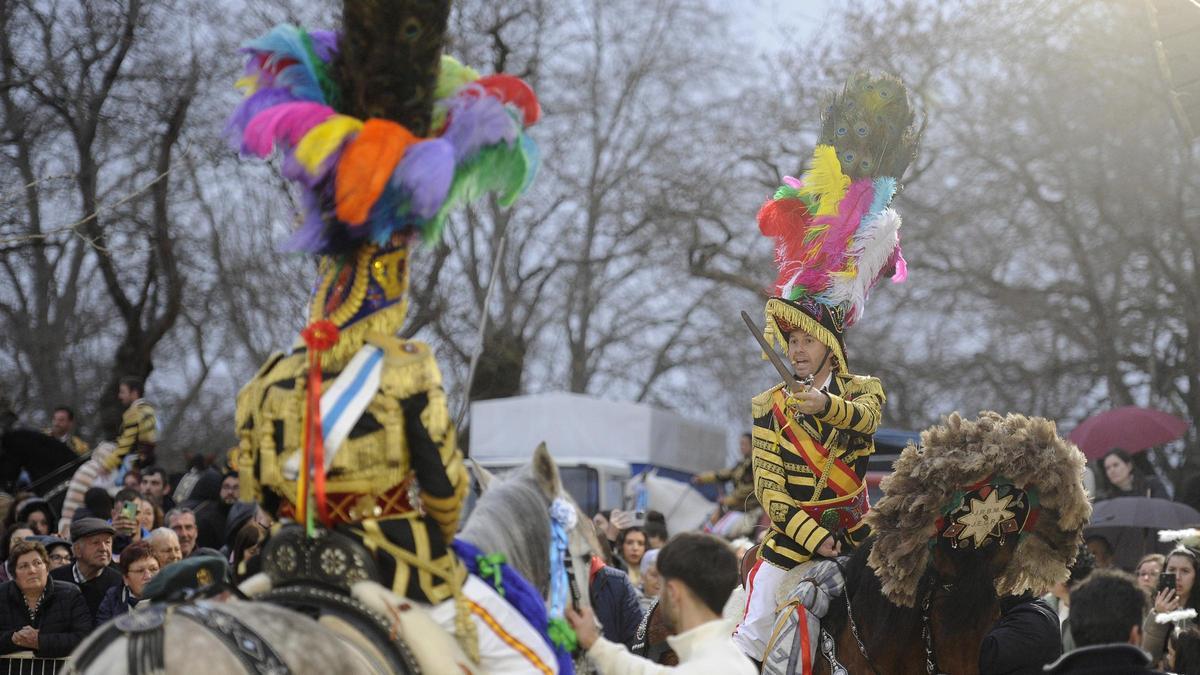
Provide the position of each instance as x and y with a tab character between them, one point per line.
368	631
684	507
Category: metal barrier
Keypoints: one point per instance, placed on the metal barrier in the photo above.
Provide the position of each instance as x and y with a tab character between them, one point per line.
25	663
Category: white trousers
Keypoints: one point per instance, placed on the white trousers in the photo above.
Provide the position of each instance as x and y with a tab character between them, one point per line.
507	642
753	633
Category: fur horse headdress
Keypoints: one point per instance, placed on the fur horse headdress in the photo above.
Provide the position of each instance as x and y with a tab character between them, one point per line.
975	482
835	234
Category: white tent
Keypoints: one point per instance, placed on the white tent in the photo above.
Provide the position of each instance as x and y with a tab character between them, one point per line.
575	426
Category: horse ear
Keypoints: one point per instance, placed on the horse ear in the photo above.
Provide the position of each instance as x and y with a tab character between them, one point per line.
483	477
545	472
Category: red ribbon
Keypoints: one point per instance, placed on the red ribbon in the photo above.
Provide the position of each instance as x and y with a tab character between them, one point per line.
319	336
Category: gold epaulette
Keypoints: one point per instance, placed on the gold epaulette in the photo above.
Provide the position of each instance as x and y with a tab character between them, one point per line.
760	405
861	384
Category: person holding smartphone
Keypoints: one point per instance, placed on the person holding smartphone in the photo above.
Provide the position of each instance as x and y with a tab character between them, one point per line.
1174	593
124	521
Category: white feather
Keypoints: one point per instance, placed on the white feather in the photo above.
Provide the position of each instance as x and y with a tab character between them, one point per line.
1177	615
872	246
1176	535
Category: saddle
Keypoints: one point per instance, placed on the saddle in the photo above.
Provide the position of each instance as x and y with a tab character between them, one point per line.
803	600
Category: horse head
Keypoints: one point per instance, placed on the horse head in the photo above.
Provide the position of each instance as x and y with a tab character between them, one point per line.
516	515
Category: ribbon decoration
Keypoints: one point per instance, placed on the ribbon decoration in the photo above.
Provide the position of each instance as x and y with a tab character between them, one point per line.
319	336
491	568
562	518
562	635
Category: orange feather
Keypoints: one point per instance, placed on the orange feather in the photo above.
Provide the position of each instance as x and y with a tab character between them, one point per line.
365	167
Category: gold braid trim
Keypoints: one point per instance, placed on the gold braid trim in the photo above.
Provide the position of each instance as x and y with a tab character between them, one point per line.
777	309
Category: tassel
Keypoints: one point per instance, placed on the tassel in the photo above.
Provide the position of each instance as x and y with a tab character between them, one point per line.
320	336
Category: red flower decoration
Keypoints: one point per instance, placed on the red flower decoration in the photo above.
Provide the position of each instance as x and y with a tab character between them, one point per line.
320	335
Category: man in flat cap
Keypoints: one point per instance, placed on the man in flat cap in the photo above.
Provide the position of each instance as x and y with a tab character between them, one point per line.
91	540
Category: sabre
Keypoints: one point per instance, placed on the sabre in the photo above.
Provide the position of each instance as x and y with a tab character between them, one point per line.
789	378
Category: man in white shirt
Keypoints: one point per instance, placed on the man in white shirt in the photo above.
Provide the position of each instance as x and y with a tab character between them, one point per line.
699	572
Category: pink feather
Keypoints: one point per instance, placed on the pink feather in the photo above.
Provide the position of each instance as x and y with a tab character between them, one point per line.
825	253
284	123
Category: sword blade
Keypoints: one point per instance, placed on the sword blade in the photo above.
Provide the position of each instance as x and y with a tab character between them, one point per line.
789	378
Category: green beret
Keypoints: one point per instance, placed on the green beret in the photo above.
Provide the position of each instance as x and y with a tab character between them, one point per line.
188	574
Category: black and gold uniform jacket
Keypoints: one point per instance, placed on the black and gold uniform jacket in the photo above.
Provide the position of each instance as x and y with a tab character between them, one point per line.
404	436
139	431
741	498
809	469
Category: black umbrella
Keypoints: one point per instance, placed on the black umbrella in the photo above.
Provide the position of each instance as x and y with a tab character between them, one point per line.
1130	524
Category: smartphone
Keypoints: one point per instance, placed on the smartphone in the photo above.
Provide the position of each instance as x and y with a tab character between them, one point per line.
1166	580
129	510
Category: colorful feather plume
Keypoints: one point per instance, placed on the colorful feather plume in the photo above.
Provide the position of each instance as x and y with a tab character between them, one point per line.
835	235
373	178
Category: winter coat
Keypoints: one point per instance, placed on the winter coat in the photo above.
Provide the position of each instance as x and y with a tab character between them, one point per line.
117	601
93	590
1111	659
1024	638
615	602
62	620
211	512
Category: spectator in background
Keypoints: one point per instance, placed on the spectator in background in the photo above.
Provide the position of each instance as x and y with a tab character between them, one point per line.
59	551
132	480
210	512
149	518
92	542
97	503
1184	656
1106	620
615	601
699	572
37	613
37	515
247	545
1059	598
632	544
183	522
17	532
164	544
124	521
1147	571
156	486
230	489
1025	638
1101	550
138	567
656	530
1182	563
1122	478
62	428
651	580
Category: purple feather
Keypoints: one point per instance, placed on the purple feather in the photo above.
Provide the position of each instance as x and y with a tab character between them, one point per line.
477	121
325	44
425	175
311	237
251	106
287	122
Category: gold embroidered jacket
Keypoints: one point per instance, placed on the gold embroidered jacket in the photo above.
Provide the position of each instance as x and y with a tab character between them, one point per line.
741	498
405	434
809	469
139	428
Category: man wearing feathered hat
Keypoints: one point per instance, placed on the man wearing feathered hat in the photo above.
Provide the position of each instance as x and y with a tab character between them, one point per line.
835	237
383	136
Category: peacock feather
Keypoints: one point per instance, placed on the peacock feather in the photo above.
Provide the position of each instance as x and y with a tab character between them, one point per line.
870	124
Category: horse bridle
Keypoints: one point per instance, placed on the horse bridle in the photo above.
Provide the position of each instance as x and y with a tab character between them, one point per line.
931	667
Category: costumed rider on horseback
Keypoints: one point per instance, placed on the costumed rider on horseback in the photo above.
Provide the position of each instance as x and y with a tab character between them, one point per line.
835	238
349	434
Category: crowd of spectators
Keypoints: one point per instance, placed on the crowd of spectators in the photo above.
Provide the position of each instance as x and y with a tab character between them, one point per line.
58	585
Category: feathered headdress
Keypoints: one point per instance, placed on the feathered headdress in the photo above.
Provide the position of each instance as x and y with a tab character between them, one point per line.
835	233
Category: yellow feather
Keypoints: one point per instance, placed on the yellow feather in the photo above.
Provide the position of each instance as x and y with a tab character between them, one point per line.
825	180
324	139
451	76
247	84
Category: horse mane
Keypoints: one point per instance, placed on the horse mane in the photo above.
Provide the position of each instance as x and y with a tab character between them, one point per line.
960	606
512	517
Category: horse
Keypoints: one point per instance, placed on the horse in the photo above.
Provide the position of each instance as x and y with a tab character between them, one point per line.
958	607
352	625
683	506
981	511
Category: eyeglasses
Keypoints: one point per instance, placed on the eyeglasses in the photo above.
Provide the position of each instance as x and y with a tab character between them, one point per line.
60	557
